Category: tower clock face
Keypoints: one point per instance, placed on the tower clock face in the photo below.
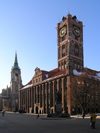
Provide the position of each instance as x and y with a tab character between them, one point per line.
76	30
62	31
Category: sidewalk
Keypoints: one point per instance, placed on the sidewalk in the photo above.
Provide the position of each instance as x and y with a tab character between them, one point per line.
86	116
45	115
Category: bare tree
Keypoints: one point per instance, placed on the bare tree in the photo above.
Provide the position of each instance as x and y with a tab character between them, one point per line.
83	88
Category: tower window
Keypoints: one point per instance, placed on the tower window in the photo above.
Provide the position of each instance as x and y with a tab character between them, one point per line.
62	65
81	67
76	37
78	66
76	49
59	66
80	52
63	38
59	52
63	50
66	48
70	33
16	77
72	48
75	64
65	64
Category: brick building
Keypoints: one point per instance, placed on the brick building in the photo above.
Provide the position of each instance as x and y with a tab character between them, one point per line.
40	94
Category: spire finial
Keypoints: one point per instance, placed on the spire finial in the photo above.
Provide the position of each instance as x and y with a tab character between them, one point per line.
16	62
68	10
15	51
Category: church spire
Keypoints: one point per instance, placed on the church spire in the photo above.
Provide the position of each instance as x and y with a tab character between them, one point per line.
16	62
16	67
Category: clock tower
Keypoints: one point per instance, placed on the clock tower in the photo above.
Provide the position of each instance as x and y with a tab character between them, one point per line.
70	44
16	83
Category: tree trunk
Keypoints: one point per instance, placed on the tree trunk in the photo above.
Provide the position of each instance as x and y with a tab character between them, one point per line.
83	111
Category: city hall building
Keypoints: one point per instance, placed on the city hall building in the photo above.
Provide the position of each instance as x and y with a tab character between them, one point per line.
40	94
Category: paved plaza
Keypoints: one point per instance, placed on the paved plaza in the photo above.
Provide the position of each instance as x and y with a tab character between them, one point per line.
28	123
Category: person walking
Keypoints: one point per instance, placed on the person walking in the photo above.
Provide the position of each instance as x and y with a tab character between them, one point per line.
93	119
3	113
83	115
38	116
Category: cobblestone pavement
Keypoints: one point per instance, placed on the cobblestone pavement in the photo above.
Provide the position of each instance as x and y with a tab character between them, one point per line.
27	123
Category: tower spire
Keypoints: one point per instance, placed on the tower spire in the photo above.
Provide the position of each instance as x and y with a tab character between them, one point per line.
15	62
16	67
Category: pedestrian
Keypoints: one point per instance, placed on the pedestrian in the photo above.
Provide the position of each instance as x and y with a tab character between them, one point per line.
93	119
38	116
3	113
83	115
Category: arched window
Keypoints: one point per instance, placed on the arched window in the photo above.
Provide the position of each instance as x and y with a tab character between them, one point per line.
72	48
59	53
66	48
63	50
65	64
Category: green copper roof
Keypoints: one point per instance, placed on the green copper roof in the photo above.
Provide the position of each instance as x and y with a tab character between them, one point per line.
16	67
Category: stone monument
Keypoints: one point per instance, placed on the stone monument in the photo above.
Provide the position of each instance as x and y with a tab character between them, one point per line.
59	103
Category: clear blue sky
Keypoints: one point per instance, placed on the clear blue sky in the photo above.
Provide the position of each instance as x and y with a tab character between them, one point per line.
29	26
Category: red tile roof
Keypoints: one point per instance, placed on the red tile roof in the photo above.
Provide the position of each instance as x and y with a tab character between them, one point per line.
90	71
29	83
53	72
60	73
44	72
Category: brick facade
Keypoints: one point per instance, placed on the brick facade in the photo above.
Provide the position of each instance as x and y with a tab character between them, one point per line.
40	94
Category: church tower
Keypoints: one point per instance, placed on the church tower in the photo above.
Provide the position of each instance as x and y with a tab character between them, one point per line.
70	44
16	83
